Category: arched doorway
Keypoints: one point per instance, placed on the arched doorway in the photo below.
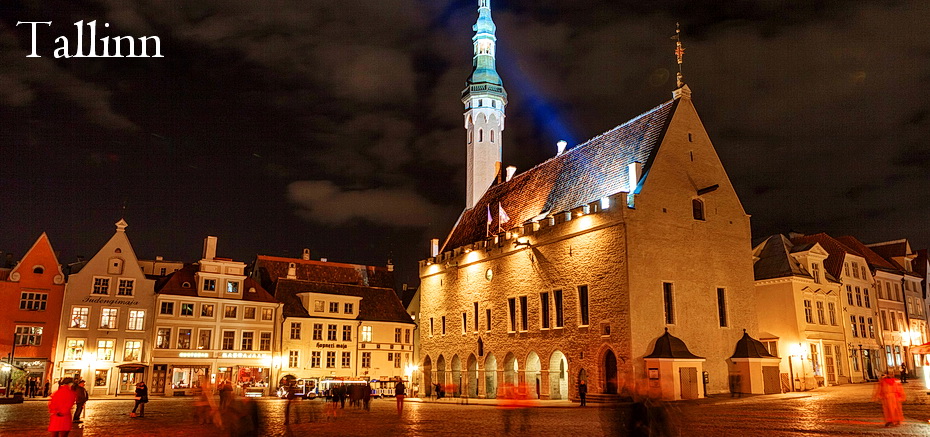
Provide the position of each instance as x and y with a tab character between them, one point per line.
456	376
533	378
558	376
610	372
471	381
490	376
427	375
510	369
441	371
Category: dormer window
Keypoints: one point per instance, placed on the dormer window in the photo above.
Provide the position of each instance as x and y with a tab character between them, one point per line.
232	286
697	209
209	285
815	272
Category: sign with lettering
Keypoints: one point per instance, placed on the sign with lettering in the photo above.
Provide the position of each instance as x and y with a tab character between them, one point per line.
108	301
331	345
243	355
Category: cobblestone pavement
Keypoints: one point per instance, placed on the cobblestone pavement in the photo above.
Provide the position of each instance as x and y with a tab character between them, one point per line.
843	410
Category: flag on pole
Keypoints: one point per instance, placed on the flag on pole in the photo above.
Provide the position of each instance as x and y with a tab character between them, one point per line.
502	217
490	219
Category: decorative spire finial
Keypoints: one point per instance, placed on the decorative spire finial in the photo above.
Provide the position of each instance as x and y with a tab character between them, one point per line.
679	53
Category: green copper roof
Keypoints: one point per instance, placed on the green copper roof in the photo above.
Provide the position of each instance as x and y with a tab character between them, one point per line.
484	68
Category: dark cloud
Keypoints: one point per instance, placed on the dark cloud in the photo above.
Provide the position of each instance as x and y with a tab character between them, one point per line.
335	118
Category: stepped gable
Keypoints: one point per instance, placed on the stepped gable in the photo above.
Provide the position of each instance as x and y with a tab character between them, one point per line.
174	285
580	175
270	269
378	304
775	260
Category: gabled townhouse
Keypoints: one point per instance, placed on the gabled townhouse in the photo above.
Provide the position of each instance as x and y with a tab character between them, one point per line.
900	254
859	309
31	293
107	317
214	324
891	308
798	306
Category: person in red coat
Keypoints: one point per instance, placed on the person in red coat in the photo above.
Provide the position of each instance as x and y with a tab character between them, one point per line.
890	393
59	408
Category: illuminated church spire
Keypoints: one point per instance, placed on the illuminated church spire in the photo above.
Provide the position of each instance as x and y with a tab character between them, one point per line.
484	98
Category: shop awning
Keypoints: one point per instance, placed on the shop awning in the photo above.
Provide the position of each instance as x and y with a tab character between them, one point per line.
131	368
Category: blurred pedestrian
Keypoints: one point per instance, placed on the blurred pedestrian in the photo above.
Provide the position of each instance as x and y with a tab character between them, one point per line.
45	391
59	408
400	392
291	398
582	392
891	394
203	404
226	392
81	397
142	398
904	373
366	397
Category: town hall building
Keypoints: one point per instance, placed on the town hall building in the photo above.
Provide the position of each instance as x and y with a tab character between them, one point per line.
624	261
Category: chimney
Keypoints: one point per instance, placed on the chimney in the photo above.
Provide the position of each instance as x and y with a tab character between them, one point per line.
291	270
306	255
511	170
434	247
209	248
323	260
635	172
390	266
561	147
159	258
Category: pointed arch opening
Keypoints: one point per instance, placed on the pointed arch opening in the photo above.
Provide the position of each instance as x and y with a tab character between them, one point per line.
471	379
427	369
456	376
490	376
558	376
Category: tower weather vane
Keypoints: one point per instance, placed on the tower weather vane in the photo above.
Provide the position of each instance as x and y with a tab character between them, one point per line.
679	52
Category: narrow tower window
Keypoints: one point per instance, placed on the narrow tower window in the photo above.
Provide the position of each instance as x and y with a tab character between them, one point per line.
480	135
697	207
492	135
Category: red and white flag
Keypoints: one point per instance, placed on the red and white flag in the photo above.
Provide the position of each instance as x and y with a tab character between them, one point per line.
490	219
502	217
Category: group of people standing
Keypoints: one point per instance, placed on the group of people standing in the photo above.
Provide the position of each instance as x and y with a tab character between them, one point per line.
35	389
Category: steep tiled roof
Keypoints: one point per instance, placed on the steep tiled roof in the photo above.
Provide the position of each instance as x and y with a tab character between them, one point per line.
875	260
581	175
775	260
174	285
837	250
377	305
268	269
891	249
748	347
669	346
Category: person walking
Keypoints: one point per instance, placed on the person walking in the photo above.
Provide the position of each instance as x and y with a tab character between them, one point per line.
400	392
291	399
891	394
81	397
59	408
46	389
582	392
142	398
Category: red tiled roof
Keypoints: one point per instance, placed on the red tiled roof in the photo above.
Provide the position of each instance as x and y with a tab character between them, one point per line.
581	175
875	260
775	260
378	304
174	285
268	269
837	250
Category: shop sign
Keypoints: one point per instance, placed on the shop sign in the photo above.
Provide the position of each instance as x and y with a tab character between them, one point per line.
193	354
335	345
106	301
243	355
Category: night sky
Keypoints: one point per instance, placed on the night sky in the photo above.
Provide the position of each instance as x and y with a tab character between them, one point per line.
337	125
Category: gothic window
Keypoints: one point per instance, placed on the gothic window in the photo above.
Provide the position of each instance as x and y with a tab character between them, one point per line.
492	135
697	209
480	135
